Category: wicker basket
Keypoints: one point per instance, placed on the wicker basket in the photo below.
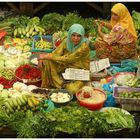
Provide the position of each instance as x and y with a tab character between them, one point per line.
36	82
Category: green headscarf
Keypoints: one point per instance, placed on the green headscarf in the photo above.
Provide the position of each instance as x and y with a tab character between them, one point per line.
75	28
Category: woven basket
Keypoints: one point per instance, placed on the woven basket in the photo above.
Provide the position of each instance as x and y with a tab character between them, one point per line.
36	82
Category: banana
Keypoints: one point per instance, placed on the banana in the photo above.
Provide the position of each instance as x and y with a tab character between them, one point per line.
25	108
41	29
23	30
19	30
14	102
36	28
29	113
18	101
34	101
27	35
9	107
10	102
22	100
27	29
33	33
25	98
30	103
7	110
15	32
18	107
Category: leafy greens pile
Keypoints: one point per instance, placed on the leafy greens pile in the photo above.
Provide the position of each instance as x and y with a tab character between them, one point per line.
71	119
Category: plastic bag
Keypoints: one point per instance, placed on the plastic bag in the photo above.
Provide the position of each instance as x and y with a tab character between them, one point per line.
110	101
127	65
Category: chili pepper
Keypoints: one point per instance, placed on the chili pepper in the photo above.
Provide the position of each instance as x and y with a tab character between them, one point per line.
28	72
7	83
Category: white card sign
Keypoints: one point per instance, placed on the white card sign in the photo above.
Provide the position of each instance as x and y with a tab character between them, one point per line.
99	65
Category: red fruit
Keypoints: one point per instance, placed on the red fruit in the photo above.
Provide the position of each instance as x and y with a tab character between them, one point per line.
57	42
86	95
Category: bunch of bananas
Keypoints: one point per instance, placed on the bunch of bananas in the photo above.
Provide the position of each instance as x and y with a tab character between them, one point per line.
21	103
28	31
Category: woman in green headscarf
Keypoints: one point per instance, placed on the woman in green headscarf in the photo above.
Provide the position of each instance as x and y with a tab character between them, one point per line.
73	52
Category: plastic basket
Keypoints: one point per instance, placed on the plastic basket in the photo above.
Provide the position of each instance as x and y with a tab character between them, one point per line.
47	38
130	104
131	107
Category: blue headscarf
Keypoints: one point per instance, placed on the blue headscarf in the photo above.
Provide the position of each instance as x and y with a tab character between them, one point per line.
75	28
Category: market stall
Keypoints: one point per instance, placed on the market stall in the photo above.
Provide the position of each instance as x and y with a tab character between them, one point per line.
107	105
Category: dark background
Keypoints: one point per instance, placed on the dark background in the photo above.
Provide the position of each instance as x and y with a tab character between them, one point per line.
83	8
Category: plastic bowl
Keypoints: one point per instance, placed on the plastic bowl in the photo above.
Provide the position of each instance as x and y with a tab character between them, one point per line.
91	106
58	104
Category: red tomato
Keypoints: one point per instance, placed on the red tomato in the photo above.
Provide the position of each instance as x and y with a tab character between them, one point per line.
57	43
86	95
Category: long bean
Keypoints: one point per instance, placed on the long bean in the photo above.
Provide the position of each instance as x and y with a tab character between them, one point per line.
6	73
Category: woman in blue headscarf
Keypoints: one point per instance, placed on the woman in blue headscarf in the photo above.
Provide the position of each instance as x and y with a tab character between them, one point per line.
73	52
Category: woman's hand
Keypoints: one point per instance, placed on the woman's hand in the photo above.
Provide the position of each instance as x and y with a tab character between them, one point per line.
100	22
100	28
49	56
40	63
100	31
43	56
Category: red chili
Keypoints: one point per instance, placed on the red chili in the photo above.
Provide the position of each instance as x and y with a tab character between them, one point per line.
7	83
27	71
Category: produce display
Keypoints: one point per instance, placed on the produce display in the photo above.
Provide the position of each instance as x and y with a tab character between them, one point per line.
42	44
126	79
90	95
21	102
27	27
28	72
60	97
129	94
71	119
41	117
7	73
91	98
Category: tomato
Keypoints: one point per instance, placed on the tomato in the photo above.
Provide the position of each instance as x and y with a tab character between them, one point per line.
86	95
57	42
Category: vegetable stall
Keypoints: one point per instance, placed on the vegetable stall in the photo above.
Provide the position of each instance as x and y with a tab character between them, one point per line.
27	111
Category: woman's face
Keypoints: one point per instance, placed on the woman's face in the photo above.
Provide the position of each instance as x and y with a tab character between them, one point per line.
114	16
75	38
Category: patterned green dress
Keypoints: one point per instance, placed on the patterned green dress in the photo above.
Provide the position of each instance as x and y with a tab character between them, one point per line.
62	59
